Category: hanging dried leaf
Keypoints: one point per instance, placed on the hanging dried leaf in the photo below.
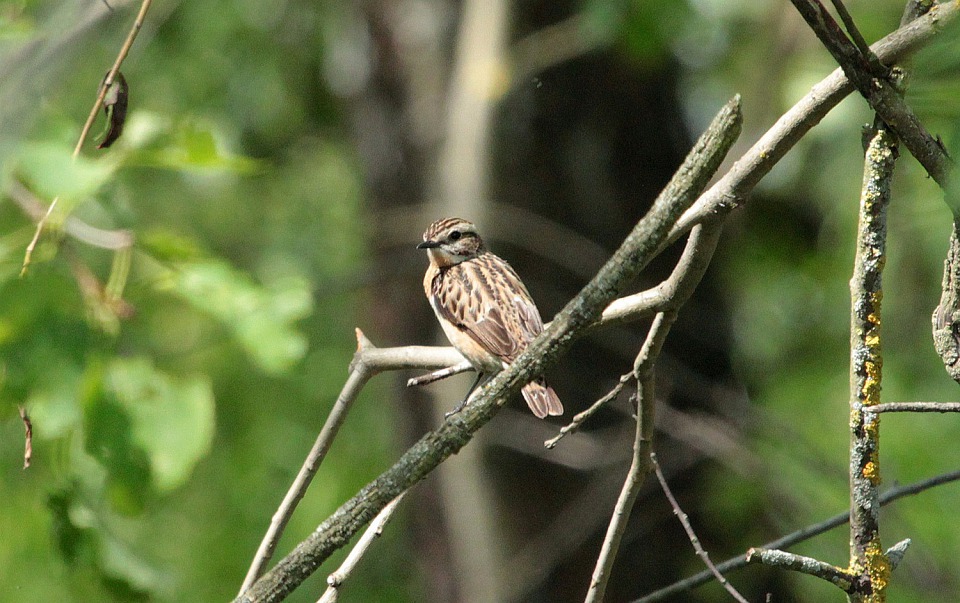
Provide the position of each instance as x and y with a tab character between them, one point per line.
115	107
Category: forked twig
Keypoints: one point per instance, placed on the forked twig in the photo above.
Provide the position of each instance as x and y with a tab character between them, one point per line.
373	531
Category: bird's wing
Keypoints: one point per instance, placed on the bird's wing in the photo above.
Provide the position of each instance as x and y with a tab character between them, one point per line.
486	299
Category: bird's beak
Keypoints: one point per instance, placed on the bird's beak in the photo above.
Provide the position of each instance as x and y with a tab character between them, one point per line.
428	245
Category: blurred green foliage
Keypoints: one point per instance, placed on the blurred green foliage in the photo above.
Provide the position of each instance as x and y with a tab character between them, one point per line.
164	439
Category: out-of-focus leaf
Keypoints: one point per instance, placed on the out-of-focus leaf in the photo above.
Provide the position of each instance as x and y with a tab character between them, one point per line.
170	419
51	171
78	531
110	440
261	318
76	540
115	108
190	145
166	245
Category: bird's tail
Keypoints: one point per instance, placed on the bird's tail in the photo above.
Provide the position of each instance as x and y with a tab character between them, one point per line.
541	399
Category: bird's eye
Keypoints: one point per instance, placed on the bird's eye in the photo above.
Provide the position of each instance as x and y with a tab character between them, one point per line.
455	235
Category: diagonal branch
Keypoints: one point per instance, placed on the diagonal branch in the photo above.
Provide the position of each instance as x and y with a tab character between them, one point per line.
732	190
640	246
882	95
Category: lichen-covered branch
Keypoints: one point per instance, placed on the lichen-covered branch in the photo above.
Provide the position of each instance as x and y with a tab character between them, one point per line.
946	316
867	559
843	579
940	407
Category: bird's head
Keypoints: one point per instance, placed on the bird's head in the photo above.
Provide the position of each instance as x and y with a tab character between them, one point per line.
451	241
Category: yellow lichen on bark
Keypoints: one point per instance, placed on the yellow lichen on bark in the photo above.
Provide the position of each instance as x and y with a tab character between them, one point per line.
871	471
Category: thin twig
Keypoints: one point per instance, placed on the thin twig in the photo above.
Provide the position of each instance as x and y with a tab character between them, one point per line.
801	535
685	522
27	436
373	531
640	463
440	374
97	105
28	253
914	407
854	32
112	74
581	417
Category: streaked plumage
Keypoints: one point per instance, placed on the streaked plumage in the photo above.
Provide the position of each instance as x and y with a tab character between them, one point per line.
484	309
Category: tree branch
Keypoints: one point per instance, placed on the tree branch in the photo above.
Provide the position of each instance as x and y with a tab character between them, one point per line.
373	531
642	458
669	295
586	308
842	578
914	407
685	522
805	533
367	362
883	96
732	190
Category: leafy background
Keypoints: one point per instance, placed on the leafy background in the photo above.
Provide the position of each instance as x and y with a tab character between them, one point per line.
165	436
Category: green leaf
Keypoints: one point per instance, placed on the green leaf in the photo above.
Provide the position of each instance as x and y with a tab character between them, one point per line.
51	171
189	145
260	318
171	419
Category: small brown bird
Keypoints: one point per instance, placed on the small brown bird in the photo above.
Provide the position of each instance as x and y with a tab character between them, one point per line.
483	307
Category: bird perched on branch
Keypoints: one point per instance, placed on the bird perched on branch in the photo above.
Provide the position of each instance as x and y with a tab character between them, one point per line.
483	307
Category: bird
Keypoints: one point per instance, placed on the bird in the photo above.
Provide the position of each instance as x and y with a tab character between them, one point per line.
483	307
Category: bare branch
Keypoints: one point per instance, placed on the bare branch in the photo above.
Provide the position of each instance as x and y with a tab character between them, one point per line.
373	531
800	535
640	463
685	522
842	578
668	295
883	96
732	190
862	47
368	361
581	417
914	407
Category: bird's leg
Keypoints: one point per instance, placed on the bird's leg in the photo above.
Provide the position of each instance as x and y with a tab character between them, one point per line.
463	402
